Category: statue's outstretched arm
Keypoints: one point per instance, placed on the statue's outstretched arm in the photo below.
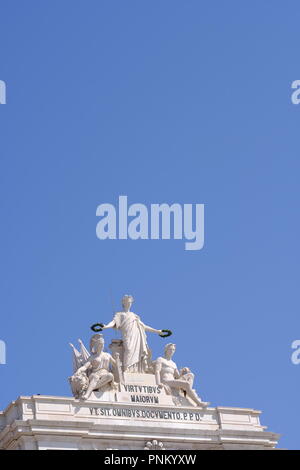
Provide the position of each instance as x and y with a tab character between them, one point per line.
111	324
151	330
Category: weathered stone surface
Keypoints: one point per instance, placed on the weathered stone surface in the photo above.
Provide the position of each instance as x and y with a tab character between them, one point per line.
49	422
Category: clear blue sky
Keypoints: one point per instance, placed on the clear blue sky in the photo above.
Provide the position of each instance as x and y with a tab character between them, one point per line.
169	101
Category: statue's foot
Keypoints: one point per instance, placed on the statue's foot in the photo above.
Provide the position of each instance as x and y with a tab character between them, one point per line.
203	404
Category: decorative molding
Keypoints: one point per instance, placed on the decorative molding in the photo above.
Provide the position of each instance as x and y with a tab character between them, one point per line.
154	445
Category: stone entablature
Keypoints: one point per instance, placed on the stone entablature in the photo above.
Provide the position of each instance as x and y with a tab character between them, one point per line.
49	422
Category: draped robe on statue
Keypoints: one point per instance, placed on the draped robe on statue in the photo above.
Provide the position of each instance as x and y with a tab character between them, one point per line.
135	345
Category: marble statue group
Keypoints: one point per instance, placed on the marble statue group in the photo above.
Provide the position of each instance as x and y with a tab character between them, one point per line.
97	370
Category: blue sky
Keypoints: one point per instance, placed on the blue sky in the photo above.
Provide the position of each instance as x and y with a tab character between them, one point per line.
172	101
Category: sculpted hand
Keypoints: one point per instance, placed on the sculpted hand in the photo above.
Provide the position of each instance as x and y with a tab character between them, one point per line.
164	333
184	370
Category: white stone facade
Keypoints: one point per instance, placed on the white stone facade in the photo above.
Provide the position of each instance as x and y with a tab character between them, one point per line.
50	422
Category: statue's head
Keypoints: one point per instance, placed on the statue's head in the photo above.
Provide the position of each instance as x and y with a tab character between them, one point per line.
96	343
127	301
170	348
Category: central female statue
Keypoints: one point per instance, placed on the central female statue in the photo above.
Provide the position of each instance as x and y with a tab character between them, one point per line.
136	352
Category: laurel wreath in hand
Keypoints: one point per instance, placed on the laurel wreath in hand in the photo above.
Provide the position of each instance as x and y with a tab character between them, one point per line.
97	327
168	333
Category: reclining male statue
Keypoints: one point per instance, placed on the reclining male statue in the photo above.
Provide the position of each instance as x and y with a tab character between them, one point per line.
168	376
